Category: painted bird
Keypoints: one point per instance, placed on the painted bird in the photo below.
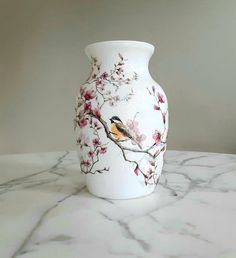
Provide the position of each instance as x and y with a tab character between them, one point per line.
120	132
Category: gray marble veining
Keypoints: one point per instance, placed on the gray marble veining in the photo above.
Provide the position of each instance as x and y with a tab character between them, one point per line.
46	210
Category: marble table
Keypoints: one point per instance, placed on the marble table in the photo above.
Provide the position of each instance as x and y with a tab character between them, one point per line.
46	211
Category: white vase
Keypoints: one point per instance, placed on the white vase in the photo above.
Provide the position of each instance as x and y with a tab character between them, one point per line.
121	121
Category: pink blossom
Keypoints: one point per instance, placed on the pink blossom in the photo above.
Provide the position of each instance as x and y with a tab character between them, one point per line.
89	94
116	98
87	106
104	75
97	125
96	112
157	137
101	86
90	154
85	163
81	113
98	82
133	129
103	150
156	107
119	71
132	125
140	138
96	142
148	175
136	170
161	98
82	122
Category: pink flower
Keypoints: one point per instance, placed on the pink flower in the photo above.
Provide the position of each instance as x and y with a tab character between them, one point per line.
89	94
82	122
103	150
85	163
132	125
98	82
97	125
116	98
160	97
90	154
81	113
119	71
140	138
148	175
101	86
104	75
96	142
156	107
157	137
136	170
96	112
87	106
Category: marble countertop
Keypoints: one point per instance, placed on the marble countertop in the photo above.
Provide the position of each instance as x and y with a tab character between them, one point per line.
46	211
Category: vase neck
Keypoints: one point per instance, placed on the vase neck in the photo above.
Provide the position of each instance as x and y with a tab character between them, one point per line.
134	54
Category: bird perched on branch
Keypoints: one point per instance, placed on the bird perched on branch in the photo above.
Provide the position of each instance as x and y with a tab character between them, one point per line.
120	132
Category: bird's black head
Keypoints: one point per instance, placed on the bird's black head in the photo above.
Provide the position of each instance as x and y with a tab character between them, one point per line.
115	119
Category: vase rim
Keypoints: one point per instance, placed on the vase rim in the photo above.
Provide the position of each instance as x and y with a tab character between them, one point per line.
121	43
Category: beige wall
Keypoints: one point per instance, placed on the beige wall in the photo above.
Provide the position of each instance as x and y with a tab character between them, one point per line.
42	62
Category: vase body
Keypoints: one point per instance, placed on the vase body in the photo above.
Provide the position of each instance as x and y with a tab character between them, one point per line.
121	121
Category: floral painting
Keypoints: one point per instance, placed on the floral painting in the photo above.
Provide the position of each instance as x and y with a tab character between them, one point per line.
105	90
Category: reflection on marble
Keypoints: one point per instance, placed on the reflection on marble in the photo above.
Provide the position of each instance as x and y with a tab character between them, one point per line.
46	211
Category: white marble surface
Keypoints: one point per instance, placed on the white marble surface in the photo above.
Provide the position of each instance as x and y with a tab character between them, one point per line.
46	212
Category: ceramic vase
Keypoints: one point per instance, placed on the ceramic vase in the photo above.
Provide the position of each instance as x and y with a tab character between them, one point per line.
121	121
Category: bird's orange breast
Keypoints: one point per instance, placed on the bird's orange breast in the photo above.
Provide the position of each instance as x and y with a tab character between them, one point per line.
116	133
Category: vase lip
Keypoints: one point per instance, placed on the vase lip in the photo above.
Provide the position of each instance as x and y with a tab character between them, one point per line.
124	43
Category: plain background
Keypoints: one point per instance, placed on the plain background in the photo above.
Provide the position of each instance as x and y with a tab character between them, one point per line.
42	62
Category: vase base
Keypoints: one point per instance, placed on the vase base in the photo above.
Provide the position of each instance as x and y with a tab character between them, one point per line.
121	196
